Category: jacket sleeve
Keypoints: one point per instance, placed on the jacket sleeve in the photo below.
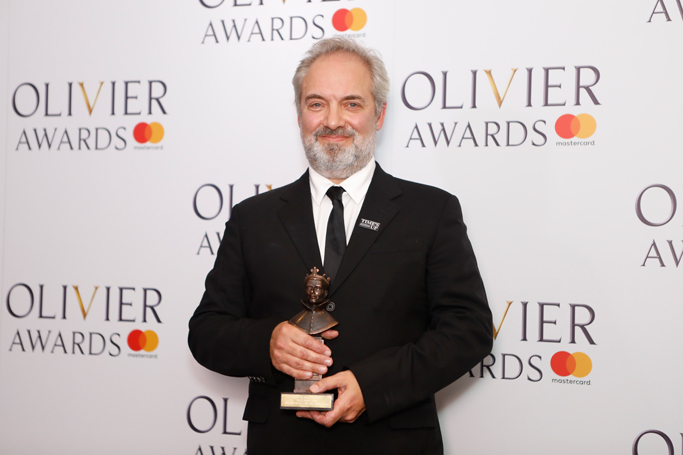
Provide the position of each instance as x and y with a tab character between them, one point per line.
459	335
222	337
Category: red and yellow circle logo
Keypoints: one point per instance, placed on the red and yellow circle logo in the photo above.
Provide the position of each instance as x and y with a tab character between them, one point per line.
139	340
578	364
344	20
582	126
153	132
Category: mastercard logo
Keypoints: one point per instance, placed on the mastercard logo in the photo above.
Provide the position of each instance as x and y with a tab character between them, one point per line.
153	132
578	364
139	340
581	126
354	19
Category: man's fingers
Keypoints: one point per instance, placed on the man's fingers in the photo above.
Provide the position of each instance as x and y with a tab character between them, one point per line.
297	354
311	343
328	418
329	334
298	368
325	384
304	414
298	337
323	418
341	413
306	356
349	404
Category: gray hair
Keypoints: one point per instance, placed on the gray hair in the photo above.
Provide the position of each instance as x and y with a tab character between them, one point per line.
340	44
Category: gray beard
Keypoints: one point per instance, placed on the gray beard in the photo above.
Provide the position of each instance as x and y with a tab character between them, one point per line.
335	161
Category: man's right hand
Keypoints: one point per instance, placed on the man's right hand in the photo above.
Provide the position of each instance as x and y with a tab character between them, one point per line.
298	354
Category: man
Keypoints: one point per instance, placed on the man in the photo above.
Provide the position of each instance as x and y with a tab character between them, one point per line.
408	296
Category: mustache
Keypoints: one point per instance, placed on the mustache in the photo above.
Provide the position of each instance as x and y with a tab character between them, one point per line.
325	131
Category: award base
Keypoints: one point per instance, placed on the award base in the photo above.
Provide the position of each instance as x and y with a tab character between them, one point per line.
307	401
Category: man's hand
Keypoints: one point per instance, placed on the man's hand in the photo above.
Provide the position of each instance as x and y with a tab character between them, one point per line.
349	404
297	354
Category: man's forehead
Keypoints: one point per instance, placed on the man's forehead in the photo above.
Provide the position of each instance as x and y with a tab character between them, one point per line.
340	73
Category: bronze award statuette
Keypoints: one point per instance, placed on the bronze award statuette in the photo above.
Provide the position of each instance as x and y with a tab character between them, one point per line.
313	320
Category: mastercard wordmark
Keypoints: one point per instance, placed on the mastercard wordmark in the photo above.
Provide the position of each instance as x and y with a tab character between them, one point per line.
153	132
582	126
344	20
578	364
147	340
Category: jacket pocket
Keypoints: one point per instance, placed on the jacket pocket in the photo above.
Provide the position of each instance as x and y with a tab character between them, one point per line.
256	409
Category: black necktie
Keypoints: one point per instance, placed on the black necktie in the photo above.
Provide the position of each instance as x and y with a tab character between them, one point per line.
335	242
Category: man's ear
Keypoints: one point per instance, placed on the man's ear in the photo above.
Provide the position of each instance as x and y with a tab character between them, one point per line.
380	118
298	120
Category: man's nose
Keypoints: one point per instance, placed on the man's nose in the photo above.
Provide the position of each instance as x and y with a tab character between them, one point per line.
334	118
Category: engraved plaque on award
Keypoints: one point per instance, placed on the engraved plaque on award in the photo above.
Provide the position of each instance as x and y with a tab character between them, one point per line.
313	320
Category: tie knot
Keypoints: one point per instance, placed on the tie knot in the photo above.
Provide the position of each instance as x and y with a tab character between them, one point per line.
335	193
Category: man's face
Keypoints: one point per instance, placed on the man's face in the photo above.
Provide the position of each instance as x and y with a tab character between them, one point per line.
315	291
338	120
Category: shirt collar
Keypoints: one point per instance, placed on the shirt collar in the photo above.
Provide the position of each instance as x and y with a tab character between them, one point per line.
356	186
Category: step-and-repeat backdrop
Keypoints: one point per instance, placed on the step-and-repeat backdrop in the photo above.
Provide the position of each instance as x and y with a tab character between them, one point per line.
130	129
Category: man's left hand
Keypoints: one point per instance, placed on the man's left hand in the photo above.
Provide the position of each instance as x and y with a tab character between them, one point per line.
349	404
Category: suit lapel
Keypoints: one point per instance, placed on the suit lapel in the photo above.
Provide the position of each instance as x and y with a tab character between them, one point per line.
378	206
297	217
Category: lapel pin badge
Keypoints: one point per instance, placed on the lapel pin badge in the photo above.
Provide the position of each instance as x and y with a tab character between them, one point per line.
368	224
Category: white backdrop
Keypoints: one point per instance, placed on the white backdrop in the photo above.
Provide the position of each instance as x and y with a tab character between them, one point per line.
557	223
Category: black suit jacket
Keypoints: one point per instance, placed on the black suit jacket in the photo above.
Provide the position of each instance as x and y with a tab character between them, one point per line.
410	302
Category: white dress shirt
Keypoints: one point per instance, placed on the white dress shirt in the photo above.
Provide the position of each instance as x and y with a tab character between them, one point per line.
356	187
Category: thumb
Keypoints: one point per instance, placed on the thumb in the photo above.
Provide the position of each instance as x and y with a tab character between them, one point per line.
328	383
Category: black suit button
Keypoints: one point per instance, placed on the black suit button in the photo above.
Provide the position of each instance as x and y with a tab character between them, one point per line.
330	307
